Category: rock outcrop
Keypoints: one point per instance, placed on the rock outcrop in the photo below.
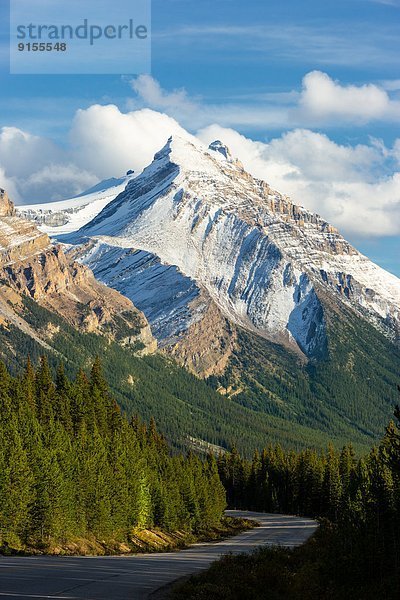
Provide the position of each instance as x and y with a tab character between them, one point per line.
6	206
207	345
31	266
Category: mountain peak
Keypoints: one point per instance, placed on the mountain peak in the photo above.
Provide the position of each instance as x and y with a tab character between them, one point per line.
177	144
262	259
218	146
267	263
172	146
188	153
191	155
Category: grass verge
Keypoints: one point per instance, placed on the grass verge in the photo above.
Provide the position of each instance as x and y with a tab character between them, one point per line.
132	542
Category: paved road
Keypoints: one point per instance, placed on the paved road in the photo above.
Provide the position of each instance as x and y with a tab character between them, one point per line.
135	577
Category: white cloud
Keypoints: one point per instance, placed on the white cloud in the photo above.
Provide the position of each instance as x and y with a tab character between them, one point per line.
323	98
321	101
193	113
8	184
151	92
108	142
391	85
351	187
396	152
64	180
104	142
22	153
35	169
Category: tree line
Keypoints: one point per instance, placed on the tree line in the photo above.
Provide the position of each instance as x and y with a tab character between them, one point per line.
72	465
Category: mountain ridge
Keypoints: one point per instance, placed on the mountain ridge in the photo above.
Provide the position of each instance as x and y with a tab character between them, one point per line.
64	216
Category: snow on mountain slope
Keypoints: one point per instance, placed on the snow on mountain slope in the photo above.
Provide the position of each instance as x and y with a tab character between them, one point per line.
65	216
160	291
182	316
267	263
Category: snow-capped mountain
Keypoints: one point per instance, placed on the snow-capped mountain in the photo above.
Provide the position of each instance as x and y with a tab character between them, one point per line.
195	230
56	218
265	262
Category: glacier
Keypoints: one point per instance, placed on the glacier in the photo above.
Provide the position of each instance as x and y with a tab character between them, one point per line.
65	216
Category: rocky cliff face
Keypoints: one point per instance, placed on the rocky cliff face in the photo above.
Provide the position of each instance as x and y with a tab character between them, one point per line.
6	206
207	345
184	319
30	265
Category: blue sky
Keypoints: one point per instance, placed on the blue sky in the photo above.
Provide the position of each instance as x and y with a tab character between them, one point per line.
262	69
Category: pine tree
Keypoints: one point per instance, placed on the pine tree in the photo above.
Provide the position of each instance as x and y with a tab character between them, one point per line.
331	486
62	397
29	384
16	487
45	391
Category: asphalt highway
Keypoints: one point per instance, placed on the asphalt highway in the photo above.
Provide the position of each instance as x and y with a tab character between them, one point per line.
135	577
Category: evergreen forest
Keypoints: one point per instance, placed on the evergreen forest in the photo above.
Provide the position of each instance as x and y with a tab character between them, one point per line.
72	466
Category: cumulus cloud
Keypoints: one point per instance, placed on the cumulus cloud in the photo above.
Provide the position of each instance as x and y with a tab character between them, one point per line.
103	142
8	184
350	186
321	101
65	180
22	153
35	169
108	142
323	98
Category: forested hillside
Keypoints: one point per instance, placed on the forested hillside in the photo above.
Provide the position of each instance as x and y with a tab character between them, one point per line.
181	404
331	394
72	467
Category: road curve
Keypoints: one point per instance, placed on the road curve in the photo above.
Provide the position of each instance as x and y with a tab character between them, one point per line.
135	577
